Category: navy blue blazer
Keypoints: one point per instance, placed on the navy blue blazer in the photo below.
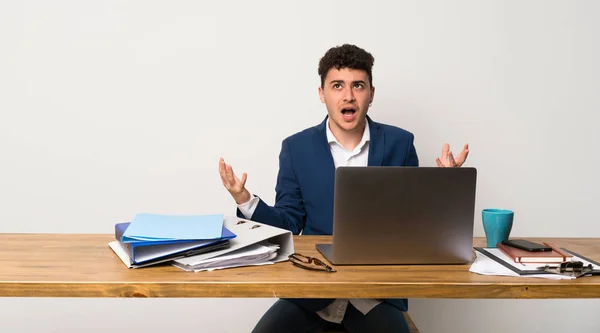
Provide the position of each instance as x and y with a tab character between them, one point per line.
305	183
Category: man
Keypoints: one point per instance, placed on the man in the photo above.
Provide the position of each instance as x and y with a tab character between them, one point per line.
304	190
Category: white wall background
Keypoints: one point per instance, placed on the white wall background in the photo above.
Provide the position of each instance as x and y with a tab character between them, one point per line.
110	108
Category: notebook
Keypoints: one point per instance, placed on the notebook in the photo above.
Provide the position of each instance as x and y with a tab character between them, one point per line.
543	257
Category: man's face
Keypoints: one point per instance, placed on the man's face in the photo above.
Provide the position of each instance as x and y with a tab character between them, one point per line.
347	94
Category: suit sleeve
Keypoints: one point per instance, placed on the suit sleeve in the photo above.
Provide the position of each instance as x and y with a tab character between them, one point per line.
411	155
288	212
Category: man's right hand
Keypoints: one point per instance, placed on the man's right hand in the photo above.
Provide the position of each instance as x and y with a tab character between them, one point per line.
235	186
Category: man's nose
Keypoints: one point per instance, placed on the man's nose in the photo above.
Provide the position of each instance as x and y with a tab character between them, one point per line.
348	95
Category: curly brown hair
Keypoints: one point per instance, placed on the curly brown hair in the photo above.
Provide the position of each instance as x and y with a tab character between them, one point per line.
346	56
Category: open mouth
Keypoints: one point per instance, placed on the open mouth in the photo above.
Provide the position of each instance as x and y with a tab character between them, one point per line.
348	113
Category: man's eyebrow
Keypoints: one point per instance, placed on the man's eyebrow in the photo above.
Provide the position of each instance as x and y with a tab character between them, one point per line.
342	81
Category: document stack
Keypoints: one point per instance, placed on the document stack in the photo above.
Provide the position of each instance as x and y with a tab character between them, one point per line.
199	243
256	254
498	261
255	244
152	239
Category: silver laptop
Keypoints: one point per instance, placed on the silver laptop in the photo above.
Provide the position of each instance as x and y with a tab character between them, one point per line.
402	215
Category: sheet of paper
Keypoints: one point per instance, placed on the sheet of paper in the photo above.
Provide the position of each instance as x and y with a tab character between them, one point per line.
187	269
255	254
251	251
487	266
155	227
239	261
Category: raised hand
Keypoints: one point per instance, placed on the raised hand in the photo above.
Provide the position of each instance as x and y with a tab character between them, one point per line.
447	160
233	184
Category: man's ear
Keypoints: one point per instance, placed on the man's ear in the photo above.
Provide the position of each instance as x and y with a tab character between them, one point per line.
372	94
321	94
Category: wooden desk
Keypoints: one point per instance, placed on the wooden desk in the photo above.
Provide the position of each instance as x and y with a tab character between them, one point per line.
63	265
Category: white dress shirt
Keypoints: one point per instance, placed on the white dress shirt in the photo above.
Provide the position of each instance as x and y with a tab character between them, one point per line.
341	156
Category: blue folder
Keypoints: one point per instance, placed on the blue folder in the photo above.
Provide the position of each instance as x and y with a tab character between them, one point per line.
157	227
145	252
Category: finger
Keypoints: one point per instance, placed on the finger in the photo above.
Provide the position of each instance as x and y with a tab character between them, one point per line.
439	163
445	150
225	183
223	174
244	178
235	178
235	181
463	155
224	179
230	175
221	166
451	160
460	160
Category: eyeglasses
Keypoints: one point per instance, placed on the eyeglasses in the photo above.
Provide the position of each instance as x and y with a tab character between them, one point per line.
311	263
570	268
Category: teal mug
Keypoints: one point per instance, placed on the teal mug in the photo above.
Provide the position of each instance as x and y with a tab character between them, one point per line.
497	224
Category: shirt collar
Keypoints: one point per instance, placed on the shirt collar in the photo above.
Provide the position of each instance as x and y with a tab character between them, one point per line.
365	138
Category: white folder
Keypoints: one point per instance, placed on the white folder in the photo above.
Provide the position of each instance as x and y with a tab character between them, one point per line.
248	235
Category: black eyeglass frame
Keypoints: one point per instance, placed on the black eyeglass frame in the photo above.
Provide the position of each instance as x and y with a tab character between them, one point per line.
570	268
303	261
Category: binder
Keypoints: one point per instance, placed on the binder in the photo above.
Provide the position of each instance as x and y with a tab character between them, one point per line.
247	233
136	254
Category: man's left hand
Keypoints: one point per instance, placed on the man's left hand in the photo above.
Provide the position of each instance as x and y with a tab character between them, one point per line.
447	160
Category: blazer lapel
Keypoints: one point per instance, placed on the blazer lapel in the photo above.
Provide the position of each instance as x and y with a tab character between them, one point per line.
323	159
376	144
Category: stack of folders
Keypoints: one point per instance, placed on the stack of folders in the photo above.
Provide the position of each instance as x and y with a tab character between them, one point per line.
199	243
150	239
255	244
